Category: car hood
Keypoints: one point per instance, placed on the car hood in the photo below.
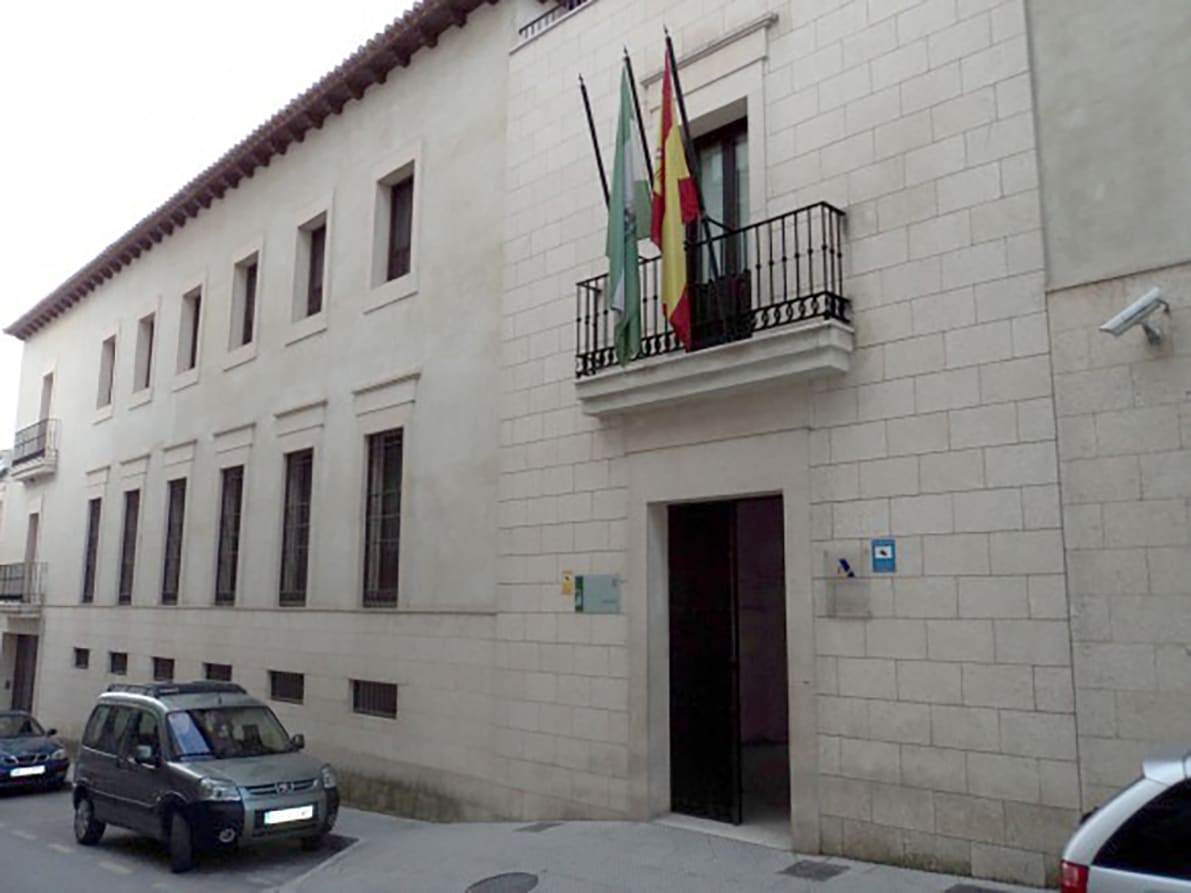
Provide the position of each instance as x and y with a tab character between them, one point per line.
19	747
251	771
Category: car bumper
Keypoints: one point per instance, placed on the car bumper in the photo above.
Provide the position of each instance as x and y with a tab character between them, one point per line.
55	773
220	824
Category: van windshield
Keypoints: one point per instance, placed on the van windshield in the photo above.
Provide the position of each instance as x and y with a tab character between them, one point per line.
227	732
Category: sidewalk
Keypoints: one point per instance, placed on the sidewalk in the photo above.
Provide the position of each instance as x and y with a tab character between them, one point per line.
402	856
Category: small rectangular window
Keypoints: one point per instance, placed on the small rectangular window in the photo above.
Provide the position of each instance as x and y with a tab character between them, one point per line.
91	553
118	663
107	372
163	669
82	658
314	281
374	698
217	672
227	553
144	353
244	302
132	510
289	687
189	333
295	538
382	518
175	514
401	212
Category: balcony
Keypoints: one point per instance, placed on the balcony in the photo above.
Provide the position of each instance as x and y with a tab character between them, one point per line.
35	451
772	311
22	586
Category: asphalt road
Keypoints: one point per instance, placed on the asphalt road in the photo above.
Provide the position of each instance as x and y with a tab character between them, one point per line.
38	853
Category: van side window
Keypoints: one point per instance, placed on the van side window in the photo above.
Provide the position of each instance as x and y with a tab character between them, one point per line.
115	726
95	724
145	733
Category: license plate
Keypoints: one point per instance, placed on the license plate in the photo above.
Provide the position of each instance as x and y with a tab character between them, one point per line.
23	771
293	814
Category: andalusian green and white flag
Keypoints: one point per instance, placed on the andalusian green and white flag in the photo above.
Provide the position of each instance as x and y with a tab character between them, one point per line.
627	189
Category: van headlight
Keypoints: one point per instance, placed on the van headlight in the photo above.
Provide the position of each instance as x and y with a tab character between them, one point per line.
213	789
329	779
59	754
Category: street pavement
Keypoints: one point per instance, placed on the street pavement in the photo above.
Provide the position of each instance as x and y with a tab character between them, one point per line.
375	853
38	854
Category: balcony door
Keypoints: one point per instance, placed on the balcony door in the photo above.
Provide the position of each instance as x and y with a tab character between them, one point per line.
720	276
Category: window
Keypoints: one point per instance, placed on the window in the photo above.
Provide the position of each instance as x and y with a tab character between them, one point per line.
244	302
382	518
47	395
175	514
82	658
132	509
295	537
315	274
217	672
91	553
188	334
118	663
1156	839
107	727
144	733
401	213
718	314
290	687
107	372
227	553
144	353
374	698
163	669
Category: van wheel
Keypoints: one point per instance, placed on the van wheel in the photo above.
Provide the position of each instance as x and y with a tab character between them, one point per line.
310	844
87	830
181	844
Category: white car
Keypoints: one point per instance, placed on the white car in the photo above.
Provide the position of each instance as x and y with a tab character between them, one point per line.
1140	840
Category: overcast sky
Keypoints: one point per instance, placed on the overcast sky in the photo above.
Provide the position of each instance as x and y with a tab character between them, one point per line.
112	106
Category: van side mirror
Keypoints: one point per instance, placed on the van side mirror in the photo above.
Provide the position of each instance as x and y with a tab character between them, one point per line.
143	755
298	742
50	733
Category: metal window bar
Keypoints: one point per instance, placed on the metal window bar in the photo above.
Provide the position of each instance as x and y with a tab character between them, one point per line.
374	698
217	672
163	669
548	18
382	519
36	441
782	271
22	583
295	543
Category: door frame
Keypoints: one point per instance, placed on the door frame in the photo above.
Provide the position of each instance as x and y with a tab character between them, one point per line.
773	464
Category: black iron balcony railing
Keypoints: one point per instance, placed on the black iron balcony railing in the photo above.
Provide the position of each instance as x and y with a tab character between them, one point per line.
548	18
781	271
22	583
37	441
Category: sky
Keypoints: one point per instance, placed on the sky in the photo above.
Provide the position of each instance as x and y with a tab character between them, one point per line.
111	107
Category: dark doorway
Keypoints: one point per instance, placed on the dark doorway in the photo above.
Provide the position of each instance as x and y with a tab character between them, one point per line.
729	708
23	673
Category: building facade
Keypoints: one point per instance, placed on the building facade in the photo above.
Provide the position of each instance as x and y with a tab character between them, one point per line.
893	565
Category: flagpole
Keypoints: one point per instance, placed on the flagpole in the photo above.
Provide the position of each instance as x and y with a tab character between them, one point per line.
692	160
640	120
595	143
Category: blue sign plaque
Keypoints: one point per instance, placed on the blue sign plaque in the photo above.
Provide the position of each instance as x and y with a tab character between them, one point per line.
884	556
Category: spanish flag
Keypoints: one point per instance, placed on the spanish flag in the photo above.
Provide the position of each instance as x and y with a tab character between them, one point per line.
675	204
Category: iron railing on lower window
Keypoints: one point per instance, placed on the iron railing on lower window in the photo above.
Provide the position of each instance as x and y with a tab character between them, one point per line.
22	583
35	442
781	271
548	18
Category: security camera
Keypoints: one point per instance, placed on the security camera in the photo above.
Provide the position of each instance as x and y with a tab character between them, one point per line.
1136	314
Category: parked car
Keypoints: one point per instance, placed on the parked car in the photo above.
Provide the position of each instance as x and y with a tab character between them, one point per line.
1140	840
198	766
29	754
